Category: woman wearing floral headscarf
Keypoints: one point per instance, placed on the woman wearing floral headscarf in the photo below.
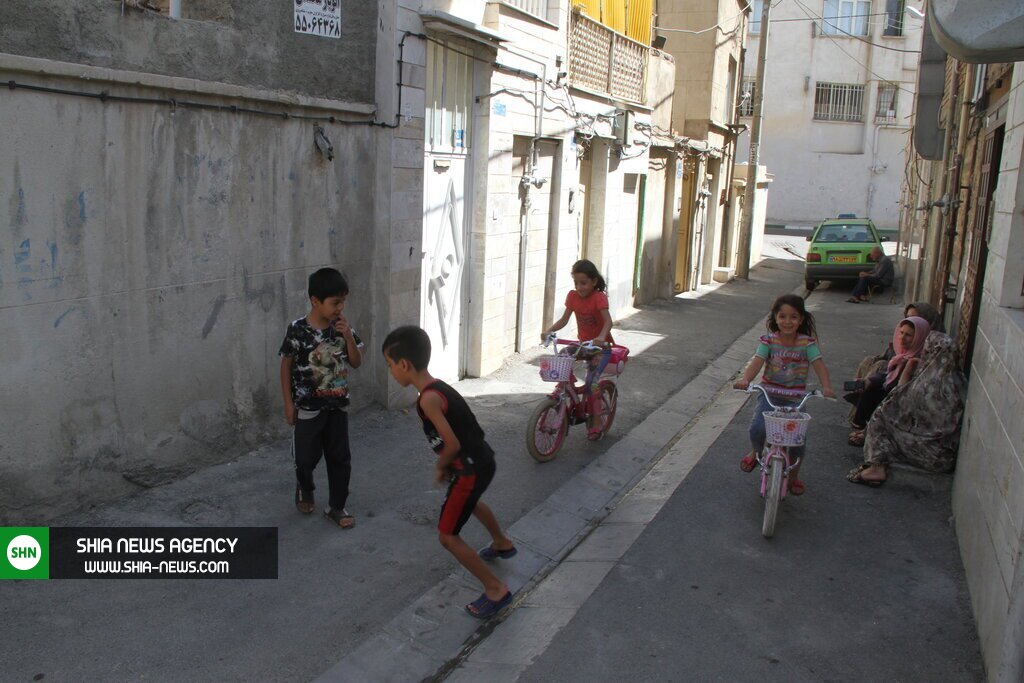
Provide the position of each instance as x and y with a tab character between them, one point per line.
919	424
907	341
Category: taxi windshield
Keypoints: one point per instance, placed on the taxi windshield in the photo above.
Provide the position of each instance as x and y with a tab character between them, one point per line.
845	232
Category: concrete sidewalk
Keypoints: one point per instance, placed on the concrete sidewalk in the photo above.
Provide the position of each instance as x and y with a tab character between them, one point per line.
340	595
677	583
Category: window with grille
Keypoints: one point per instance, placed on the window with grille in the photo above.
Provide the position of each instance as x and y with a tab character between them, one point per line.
538	8
885	109
838	102
449	98
846	17
754	26
746	106
894	17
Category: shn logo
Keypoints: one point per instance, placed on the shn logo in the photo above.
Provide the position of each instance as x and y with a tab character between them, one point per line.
24	553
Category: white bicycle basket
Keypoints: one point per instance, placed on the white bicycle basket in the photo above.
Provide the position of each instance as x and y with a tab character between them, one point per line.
786	428
556	368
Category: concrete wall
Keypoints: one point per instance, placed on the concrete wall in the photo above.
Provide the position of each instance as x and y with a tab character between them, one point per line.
243	43
823	168
156	252
764	182
399	180
988	495
153	261
702	60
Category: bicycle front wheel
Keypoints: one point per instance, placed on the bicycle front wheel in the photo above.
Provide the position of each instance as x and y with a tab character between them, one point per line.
772	495
546	429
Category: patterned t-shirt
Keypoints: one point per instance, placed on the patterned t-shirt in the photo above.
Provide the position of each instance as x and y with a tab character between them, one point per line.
319	370
785	367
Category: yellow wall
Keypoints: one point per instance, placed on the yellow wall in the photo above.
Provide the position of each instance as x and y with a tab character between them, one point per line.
631	17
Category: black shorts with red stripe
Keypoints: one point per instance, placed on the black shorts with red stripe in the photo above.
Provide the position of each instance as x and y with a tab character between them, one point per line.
463	494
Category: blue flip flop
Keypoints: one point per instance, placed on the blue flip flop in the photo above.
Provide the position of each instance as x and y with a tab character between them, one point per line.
490	554
483	607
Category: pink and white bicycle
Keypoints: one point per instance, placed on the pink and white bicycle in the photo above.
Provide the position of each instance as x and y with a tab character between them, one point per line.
567	404
785	428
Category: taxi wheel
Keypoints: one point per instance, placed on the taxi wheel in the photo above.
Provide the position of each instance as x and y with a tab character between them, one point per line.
811	284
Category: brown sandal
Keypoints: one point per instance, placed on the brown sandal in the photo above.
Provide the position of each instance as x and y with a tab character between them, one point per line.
856	438
304	502
340	517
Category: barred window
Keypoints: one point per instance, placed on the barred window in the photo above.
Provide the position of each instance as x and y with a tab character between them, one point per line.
746	105
838	102
449	99
894	17
754	25
846	17
885	109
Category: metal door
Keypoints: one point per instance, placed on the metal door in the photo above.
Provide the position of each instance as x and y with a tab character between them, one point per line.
967	327
444	261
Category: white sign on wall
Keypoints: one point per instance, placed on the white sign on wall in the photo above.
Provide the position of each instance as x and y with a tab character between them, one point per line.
318	17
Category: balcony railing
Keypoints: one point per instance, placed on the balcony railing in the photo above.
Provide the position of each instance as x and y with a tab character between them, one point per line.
538	8
603	61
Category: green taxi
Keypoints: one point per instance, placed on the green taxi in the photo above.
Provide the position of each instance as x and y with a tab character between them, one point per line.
839	249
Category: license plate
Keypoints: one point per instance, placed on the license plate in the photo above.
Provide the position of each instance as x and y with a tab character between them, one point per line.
842	259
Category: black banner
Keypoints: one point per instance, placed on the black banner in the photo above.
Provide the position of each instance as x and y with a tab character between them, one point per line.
163	552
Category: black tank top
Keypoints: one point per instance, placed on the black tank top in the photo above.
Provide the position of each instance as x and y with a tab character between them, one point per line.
463	423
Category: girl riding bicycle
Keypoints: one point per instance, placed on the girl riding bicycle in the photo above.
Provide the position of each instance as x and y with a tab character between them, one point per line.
593	322
786	353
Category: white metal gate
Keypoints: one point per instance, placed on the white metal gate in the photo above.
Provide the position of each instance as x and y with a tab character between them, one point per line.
444	261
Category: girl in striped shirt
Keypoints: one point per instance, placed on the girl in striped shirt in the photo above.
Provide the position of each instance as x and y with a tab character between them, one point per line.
786	353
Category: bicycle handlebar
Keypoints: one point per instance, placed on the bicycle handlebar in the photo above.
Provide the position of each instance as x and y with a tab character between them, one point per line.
552	338
753	388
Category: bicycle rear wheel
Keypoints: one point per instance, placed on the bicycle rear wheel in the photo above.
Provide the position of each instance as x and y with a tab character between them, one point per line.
546	429
771	496
609	401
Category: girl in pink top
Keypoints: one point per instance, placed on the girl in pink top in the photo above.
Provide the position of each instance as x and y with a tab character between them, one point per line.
589	303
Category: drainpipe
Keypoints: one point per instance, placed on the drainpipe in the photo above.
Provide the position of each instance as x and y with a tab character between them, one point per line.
175	9
935	218
954	191
525	184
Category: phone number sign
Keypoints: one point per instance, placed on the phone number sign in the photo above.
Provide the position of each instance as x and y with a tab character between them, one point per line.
318	18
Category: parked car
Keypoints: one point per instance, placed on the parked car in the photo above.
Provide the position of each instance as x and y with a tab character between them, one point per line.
839	249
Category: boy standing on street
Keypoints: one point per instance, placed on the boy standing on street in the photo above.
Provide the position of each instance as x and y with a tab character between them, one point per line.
464	459
314	385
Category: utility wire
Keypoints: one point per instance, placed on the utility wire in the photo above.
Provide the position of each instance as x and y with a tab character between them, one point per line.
717	26
836	43
860	38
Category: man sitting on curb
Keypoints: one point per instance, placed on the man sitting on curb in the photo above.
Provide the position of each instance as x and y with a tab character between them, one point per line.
880	276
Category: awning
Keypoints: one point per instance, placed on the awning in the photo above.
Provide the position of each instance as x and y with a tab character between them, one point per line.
979	32
443	22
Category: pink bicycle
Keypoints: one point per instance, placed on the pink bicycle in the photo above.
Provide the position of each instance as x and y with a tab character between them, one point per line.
785	428
567	404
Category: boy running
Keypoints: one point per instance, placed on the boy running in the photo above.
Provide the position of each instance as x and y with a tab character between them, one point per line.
464	459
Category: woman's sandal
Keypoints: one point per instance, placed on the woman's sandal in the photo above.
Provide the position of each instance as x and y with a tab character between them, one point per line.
304	501
796	487
340	517
855	476
856	438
